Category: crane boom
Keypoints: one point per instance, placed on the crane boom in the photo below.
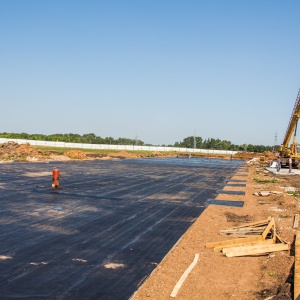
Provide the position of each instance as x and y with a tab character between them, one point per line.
293	122
285	151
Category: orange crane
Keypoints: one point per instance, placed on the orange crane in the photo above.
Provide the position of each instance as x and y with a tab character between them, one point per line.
285	151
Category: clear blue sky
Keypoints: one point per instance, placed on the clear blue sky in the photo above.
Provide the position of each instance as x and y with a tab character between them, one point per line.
158	70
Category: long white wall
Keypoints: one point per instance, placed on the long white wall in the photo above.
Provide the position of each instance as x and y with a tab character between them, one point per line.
114	147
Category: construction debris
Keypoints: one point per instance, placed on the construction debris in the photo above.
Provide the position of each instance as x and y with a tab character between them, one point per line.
266	193
262	194
290	189
255	249
253	160
258	238
243	231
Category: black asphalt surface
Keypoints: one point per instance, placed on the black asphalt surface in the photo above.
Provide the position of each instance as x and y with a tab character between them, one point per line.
104	230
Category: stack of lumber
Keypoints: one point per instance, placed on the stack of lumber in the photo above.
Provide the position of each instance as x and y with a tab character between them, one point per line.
255	239
256	228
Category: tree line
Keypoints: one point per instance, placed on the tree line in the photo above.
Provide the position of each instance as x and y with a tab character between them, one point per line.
199	143
88	138
91	138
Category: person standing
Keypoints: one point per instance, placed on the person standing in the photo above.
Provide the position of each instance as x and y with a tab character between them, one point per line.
278	164
290	165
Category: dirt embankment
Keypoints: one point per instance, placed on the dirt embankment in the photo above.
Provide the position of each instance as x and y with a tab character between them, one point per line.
12	151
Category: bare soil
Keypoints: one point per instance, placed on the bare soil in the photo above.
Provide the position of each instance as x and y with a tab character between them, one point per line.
216	276
16	152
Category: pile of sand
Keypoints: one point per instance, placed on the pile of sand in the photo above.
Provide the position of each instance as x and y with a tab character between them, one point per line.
122	154
269	155
246	155
75	154
16	152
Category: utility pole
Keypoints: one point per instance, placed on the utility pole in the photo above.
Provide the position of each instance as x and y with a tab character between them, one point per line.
194	138
275	141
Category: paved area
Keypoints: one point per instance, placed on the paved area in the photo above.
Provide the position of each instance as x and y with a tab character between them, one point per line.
283	171
104	231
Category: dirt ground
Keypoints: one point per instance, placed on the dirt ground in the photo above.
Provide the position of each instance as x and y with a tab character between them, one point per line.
216	276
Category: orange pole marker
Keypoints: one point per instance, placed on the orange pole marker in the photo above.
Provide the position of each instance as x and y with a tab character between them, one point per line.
55	177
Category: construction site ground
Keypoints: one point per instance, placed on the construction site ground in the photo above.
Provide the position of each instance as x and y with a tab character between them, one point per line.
216	276
70	244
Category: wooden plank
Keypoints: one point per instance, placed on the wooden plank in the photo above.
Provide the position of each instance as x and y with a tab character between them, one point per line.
268	228
233	241
184	276
253	243
242	235
274	233
263	222
261	249
249	245
297	267
243	231
258	228
296	221
281	240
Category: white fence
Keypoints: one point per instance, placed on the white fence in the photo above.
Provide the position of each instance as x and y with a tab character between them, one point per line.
114	147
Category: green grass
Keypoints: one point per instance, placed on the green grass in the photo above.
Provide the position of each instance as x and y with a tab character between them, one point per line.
259	180
104	152
46	150
295	194
141	153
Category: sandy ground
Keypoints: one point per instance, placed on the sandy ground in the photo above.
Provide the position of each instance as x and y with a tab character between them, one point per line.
216	276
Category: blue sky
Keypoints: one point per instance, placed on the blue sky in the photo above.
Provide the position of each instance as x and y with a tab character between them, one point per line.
154	70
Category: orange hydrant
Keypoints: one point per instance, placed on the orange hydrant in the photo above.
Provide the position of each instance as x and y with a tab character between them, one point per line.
55	177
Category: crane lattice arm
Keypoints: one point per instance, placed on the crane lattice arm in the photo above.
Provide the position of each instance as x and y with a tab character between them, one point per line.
293	123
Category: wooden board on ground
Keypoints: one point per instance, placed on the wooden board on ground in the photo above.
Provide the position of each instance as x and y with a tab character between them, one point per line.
270	226
257	223
233	241
243	231
253	250
253	243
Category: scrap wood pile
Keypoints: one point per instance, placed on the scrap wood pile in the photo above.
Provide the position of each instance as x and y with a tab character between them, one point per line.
267	193
253	239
